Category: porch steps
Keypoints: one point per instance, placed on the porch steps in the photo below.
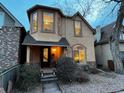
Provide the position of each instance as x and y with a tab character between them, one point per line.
48	76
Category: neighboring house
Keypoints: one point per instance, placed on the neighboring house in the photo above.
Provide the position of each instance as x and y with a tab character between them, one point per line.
53	34
102	48
12	34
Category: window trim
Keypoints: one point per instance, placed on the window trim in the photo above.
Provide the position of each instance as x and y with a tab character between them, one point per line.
80	28
3	18
42	28
85	49
32	22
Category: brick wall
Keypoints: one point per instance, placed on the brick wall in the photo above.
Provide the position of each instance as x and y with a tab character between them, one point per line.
9	46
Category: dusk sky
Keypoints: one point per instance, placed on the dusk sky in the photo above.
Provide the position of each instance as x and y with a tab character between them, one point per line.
19	9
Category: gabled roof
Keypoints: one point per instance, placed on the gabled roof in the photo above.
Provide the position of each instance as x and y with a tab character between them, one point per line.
18	24
106	32
59	10
80	15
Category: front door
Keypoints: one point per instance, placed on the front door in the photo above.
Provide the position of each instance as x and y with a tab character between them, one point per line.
45	57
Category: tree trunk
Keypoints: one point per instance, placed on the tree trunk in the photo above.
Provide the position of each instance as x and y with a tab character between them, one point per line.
114	43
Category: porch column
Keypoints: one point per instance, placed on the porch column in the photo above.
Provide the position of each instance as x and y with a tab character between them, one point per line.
28	55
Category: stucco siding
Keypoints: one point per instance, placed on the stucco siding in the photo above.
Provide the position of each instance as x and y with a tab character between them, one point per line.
87	39
67	31
103	54
45	36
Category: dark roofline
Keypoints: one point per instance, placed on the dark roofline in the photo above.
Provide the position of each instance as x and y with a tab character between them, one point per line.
78	13
42	7
59	10
10	14
107	42
114	22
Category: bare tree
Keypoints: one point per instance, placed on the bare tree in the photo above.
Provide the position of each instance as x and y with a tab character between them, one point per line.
115	37
84	6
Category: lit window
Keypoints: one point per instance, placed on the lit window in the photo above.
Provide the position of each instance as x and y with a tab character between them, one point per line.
1	19
48	22
35	22
45	55
77	27
79	54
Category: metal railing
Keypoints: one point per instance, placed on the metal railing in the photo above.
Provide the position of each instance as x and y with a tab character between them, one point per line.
7	75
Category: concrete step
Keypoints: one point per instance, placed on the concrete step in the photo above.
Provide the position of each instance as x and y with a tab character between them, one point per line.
48	76
48	79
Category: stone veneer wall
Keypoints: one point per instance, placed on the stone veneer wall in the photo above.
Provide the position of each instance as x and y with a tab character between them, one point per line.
9	46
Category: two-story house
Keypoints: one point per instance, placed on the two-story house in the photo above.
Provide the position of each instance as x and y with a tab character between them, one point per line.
12	34
104	57
53	34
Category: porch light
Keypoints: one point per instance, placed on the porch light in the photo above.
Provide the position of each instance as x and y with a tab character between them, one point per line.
54	49
46	22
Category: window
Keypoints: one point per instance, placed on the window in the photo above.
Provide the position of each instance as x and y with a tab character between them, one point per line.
1	19
79	54
35	22
48	22
77	28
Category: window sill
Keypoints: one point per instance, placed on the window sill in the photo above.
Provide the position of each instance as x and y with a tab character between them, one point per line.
78	36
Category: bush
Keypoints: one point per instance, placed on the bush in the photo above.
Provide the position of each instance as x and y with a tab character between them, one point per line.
27	77
81	75
68	71
94	70
65	69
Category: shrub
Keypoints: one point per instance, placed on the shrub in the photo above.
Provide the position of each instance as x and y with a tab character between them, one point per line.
81	75
27	77
65	69
94	70
69	71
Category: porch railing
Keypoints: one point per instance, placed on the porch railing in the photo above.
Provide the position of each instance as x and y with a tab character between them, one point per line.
7	75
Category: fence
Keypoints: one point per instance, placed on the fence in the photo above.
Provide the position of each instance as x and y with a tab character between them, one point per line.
7	75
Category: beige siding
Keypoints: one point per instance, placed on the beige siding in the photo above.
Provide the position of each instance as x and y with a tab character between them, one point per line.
42	36
86	40
67	28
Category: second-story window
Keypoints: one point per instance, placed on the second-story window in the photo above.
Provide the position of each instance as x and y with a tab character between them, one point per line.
77	28
48	22
35	22
1	19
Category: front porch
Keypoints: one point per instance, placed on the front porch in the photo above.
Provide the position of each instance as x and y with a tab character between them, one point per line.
45	56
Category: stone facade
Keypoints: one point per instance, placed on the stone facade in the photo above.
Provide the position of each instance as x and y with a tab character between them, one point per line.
9	46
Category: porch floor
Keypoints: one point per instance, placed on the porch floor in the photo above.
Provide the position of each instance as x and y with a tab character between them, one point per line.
48	70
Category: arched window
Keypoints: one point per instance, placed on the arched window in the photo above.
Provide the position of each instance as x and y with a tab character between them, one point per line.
79	54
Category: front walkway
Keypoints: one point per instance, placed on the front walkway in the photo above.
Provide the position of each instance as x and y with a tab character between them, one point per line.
51	87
